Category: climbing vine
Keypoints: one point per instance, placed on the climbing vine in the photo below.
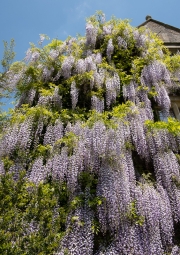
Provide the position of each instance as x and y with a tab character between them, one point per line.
85	166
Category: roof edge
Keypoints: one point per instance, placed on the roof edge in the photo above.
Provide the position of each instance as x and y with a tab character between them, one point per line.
160	23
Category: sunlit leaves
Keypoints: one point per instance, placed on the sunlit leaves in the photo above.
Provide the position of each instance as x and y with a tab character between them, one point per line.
32	222
85	122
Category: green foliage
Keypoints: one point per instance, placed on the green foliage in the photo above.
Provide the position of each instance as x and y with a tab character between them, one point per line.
54	44
6	62
110	118
9	55
24	205
4	117
76	202
172	126
133	215
7	163
72	116
69	140
95	227
172	62
176	180
88	181
37	112
33	217
43	150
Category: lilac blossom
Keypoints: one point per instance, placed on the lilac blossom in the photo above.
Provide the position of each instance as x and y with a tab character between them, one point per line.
90	64
67	66
121	42
110	49
31	96
167	169
97	104
37	173
53	133
140	39
69	44
56	98
54	54
139	136
13	78
138	213
175	250
81	237
91	34
99	77
45	100
32	55
60	165
81	66
163	100
107	29
42	38
47	72
129	91
74	94
2	170
112	89
98	58
38	131
26	98
154	73
57	76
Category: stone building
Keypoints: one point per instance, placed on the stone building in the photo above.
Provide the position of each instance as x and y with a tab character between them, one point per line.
171	37
168	34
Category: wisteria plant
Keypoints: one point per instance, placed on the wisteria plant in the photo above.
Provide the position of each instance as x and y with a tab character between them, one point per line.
84	134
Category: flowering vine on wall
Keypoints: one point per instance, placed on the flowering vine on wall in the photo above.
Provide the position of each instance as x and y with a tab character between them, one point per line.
85	119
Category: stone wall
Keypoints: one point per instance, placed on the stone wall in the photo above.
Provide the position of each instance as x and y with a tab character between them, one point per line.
165	32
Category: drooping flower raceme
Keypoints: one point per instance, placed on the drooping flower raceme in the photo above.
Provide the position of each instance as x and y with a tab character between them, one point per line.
91	34
67	66
74	94
110	49
85	121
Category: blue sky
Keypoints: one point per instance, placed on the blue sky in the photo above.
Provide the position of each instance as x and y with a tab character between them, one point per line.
24	20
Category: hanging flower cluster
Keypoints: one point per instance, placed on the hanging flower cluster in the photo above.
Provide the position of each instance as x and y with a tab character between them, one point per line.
97	104
110	49
32	56
86	110
91	34
67	66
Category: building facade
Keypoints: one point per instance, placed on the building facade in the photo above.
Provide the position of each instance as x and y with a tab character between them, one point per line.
168	34
171	37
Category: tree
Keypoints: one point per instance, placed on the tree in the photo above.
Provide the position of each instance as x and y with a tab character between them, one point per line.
5	89
85	122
